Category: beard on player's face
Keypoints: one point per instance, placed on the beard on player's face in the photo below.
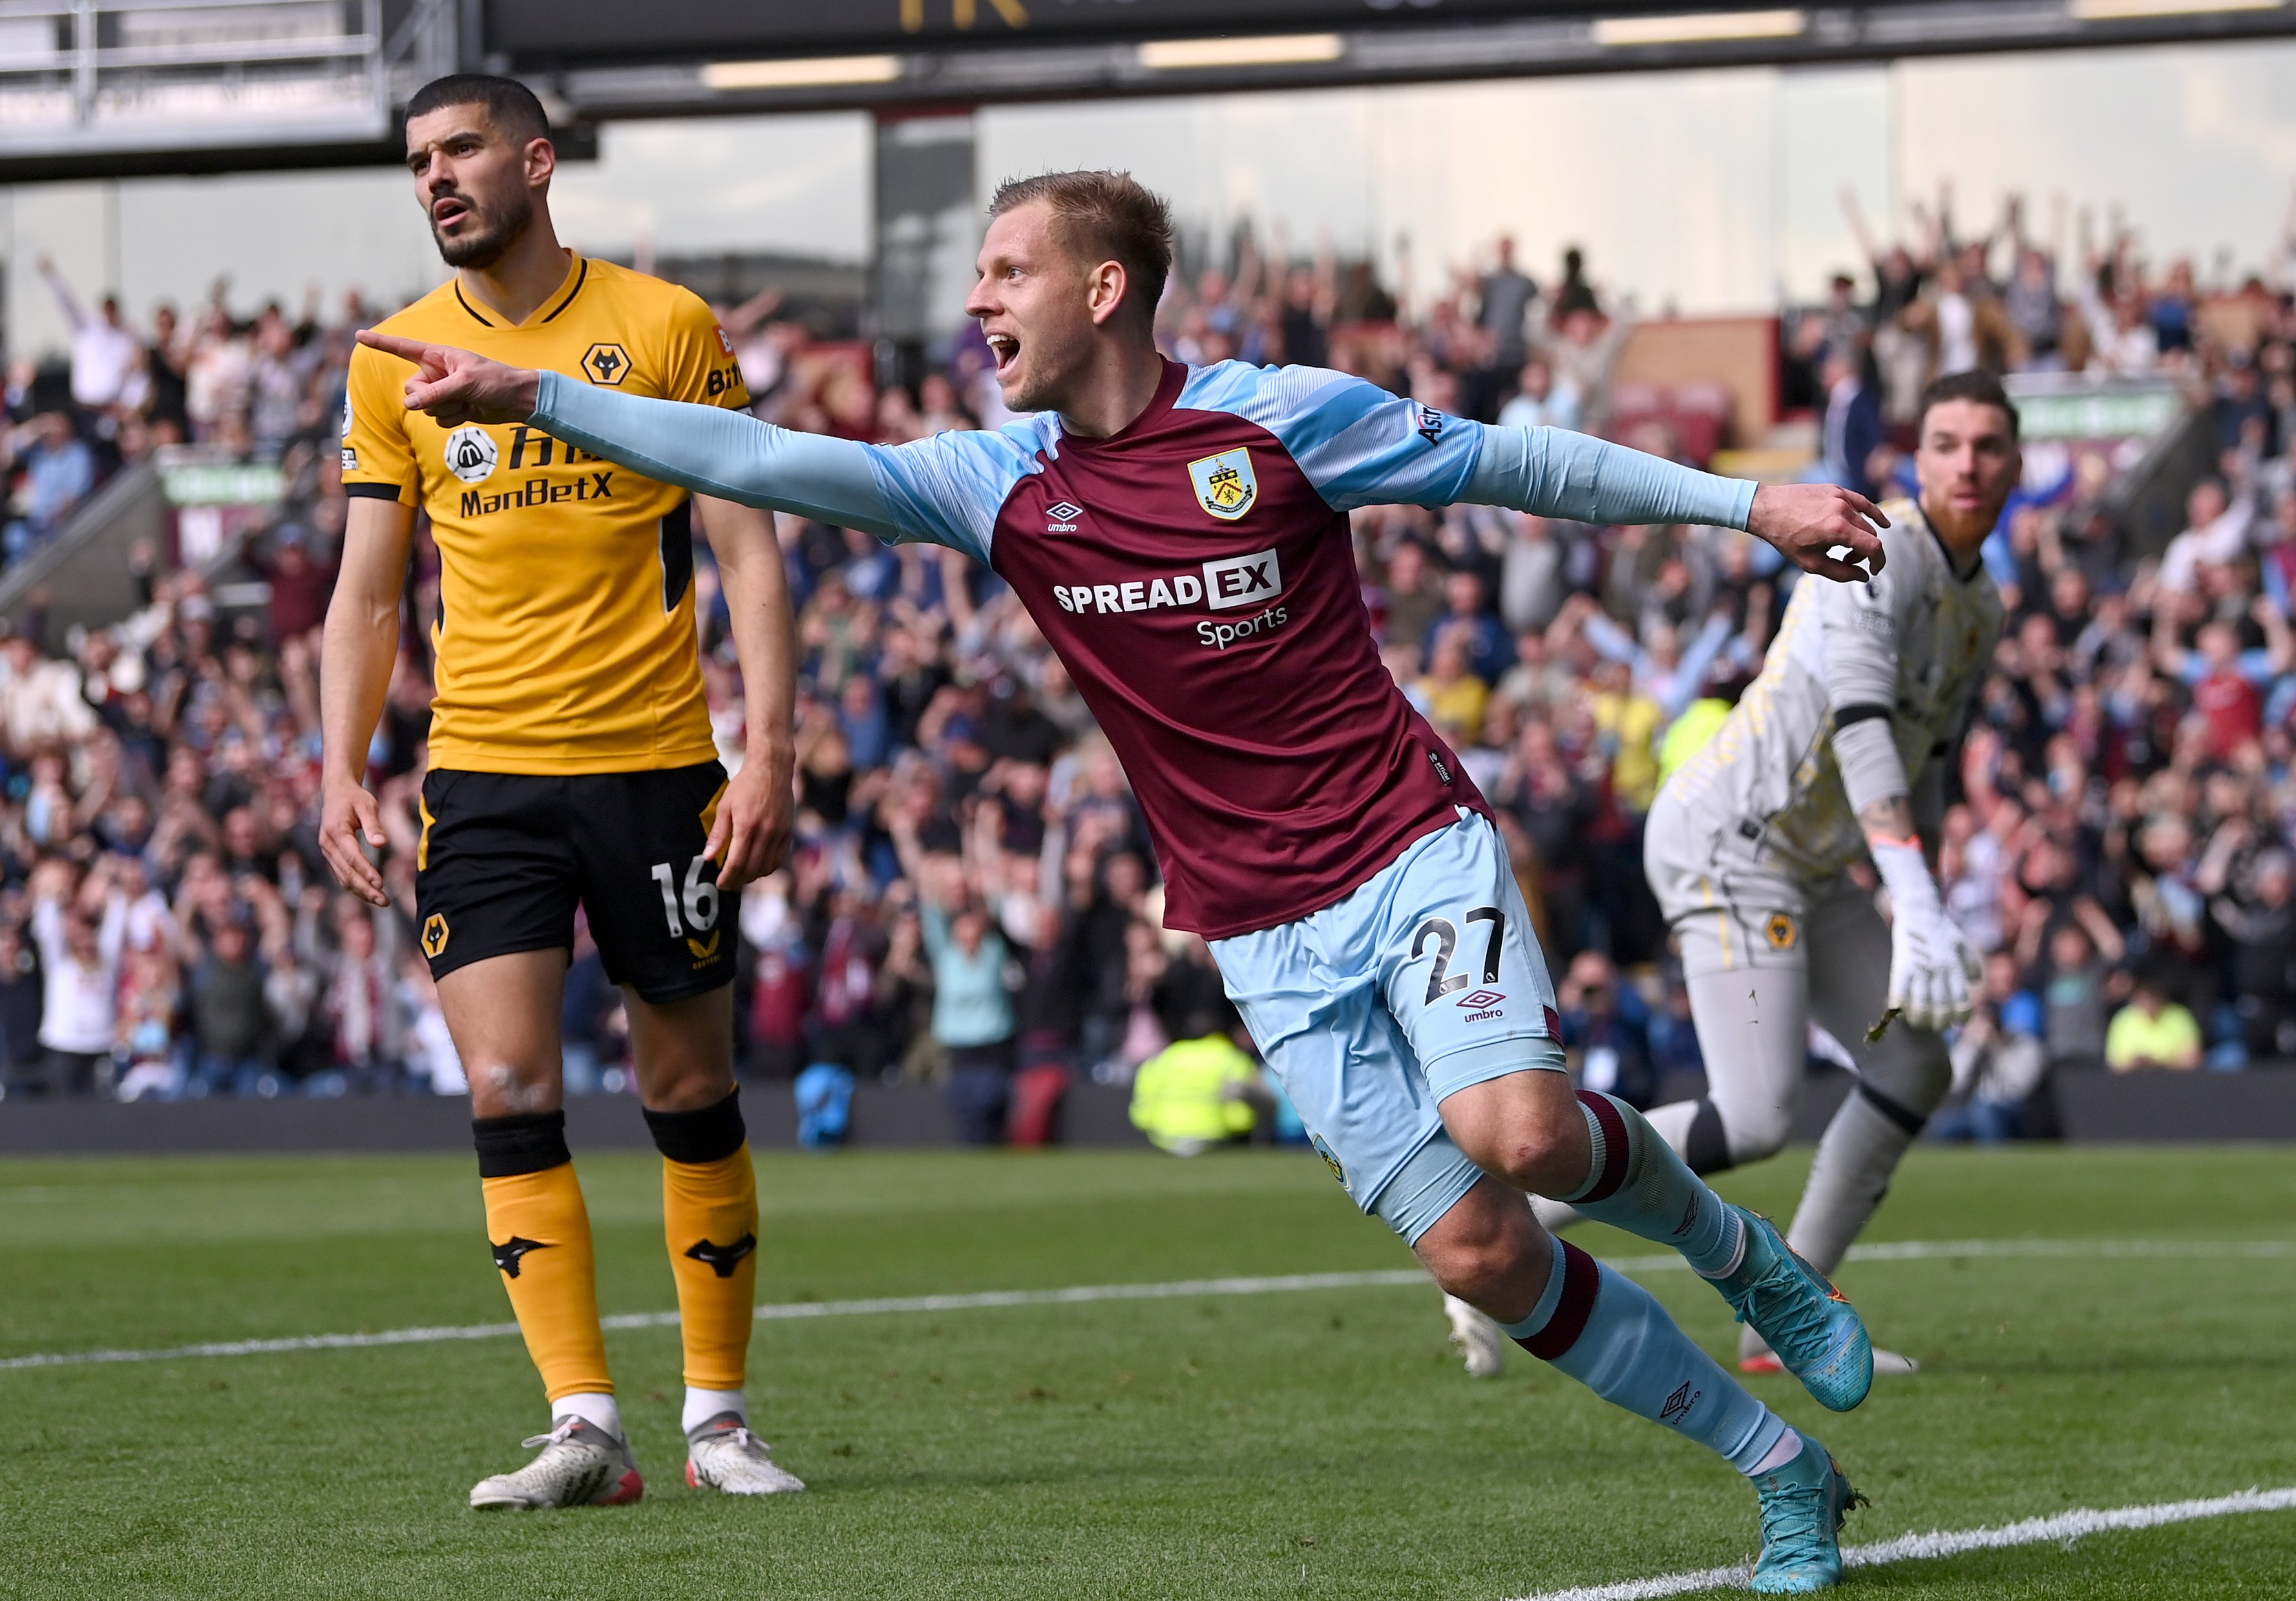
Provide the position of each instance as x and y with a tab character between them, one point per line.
488	230
1047	367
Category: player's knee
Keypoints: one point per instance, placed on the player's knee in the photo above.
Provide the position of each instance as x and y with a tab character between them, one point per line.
1754	1128
1480	1249
1911	1066
1540	1150
504	1086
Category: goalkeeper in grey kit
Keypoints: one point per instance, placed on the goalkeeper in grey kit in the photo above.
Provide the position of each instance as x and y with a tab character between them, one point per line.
1837	754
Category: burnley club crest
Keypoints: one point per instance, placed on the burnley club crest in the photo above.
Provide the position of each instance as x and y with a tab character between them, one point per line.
1224	486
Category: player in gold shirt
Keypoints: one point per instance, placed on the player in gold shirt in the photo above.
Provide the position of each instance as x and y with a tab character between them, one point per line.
570	760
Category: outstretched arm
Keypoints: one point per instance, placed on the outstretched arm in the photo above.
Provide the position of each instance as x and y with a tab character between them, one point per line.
704	448
1554	473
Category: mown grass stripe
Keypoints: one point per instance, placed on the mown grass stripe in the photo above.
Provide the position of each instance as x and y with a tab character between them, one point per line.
1283	1284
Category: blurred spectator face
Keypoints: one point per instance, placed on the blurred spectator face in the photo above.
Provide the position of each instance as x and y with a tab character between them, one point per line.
472	181
239	832
1591	977
2168	842
1126	878
1536	379
2205	503
2069	592
80	937
1464	592
230	944
1406	569
2220	647
970	927
357	932
1448	664
1438	389
2275	883
2000	977
2070	948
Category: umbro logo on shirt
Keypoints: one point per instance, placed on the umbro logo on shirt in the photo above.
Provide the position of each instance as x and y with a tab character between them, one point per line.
1061	517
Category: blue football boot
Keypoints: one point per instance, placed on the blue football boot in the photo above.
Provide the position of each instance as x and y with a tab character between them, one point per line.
1810	1324
1803	1504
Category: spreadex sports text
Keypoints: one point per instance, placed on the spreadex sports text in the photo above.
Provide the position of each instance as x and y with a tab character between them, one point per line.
1227	582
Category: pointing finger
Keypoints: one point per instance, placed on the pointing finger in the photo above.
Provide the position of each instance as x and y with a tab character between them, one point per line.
394	344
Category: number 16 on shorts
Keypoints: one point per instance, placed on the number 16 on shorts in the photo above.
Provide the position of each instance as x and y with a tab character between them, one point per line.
690	909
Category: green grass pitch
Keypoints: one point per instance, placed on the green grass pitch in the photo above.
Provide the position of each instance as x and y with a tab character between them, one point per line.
1318	1444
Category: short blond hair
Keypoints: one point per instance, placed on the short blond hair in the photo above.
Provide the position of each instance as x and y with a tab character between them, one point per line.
1106	217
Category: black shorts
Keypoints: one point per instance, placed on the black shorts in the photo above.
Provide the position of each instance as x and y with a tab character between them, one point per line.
504	856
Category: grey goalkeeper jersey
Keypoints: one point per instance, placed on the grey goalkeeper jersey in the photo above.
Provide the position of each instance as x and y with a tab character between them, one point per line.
1916	640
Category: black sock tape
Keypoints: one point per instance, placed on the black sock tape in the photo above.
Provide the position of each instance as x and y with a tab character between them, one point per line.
1896	1110
1706	1148
712	1134
531	1142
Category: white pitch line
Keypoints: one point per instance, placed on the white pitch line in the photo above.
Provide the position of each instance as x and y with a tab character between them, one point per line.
776	1312
793	1311
2063	1527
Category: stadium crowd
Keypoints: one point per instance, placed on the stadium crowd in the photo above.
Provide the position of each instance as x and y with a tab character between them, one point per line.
974	899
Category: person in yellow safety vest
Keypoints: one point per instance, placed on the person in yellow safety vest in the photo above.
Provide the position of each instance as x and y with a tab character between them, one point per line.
1195	1094
1688	734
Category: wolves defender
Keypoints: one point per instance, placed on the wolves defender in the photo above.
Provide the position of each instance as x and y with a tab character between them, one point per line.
1181	536
1839	753
570	759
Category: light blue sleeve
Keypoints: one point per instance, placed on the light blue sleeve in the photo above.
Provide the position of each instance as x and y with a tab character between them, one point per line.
945	490
1357	444
1360	445
1554	473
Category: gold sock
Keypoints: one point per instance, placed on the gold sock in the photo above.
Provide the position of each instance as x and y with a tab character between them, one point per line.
540	1231
710	1218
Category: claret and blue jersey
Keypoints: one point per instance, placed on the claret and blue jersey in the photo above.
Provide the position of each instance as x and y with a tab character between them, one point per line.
1195	573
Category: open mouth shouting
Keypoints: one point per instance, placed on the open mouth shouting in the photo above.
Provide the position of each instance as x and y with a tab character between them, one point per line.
448	211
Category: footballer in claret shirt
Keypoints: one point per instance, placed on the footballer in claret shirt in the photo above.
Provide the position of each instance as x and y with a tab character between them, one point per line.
1181	536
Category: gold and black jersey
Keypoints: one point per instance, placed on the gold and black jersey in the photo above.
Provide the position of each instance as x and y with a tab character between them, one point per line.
566	640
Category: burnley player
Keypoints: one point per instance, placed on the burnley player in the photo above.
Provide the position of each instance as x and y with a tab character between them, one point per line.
1181	536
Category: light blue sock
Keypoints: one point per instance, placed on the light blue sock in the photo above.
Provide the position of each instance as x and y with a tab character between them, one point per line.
1638	1183
1604	1330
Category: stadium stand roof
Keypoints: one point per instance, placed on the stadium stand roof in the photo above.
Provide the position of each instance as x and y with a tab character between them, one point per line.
110	87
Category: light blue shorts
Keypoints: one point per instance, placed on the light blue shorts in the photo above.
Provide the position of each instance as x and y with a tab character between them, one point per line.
1426	980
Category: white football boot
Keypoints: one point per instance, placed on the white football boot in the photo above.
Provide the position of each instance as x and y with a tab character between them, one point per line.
580	1465
722	1454
1479	1340
1755	1355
